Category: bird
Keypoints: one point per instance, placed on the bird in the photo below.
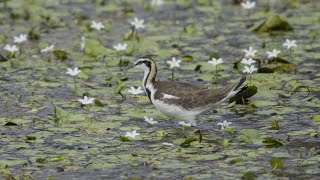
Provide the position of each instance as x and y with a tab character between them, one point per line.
181	100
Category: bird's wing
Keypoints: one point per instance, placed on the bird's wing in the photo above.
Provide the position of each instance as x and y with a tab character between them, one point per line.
190	96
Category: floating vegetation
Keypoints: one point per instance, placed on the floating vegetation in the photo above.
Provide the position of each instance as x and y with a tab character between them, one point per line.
99	123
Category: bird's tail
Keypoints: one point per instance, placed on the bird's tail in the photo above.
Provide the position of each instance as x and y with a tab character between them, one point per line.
237	87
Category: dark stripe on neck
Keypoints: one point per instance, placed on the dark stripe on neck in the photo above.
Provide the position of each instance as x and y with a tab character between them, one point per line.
151	78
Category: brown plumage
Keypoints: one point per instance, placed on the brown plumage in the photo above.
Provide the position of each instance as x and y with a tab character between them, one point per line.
191	96
182	100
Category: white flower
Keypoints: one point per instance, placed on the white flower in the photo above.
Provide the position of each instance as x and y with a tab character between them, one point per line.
248	61
167	144
289	44
137	23
86	101
224	124
132	134
150	120
248	4
10	48
120	47
250	69
135	91
184	124
83	39
273	53
156	2
174	63
250	52
215	61
20	39
47	49
97	25
73	72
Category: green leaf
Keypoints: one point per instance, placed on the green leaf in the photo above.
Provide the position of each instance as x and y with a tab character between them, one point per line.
41	160
117	89
124	139
275	163
198	67
161	133
230	131
60	54
31	138
98	103
249	176
273	23
34	34
10	124
2	58
225	143
187	141
60	114
250	136
94	48
265	70
57	158
187	58
316	118
274	125
188	29
270	142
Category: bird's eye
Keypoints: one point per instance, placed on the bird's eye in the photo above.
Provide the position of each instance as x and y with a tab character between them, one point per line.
139	62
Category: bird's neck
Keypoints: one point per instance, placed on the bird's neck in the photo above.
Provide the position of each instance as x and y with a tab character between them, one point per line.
150	77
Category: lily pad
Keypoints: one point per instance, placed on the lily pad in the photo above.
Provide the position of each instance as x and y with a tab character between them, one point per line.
272	23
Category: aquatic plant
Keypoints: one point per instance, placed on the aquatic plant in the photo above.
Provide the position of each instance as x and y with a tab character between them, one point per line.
96	25
225	124
290	44
174	62
150	120
73	72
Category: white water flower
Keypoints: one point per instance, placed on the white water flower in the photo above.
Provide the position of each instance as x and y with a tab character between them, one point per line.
137	23
248	4
135	91
224	124
250	53
248	61
273	53
83	39
97	25
47	49
132	134
156	2
168	144
184	124
10	48
289	44
20	39
73	72
120	47
150	120
86	100
250	69
215	61
174	63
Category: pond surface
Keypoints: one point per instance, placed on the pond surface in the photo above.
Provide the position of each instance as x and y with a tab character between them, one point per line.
46	133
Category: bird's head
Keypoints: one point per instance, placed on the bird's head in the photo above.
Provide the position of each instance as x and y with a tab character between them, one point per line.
145	63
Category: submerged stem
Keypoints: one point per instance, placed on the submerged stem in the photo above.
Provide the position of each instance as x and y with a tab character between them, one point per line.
74	80
172	75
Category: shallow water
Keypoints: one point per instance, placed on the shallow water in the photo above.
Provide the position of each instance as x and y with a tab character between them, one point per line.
80	146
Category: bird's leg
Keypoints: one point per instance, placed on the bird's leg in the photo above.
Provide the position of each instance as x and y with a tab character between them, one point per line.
198	132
